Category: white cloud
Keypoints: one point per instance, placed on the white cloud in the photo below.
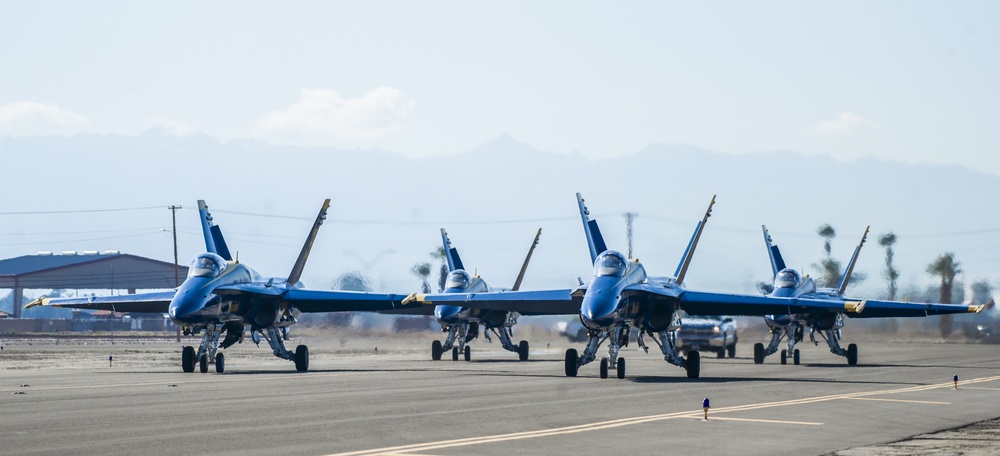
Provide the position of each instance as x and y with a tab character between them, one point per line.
846	122
175	128
27	118
324	114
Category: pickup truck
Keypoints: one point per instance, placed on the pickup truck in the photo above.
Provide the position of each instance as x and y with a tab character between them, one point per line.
714	334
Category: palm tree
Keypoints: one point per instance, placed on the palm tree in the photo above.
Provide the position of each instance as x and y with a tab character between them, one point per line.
829	267
422	271
438	254
891	274
945	267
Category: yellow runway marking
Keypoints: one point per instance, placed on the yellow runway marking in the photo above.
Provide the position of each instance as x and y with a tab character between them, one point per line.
803	423
693	414
897	400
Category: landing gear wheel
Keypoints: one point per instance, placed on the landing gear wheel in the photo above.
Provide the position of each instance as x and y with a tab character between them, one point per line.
572	362
604	367
795	357
731	350
436	350
758	353
203	363
852	355
301	358
220	363
693	364
454	353
621	368
721	353
784	357
468	353
187	359
522	350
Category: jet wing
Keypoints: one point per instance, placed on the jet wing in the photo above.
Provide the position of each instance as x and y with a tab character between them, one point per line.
877	309
706	303
157	302
543	302
318	300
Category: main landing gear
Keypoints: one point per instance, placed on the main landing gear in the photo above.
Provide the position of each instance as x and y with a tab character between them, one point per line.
617	338
459	335
207	354
794	333
276	340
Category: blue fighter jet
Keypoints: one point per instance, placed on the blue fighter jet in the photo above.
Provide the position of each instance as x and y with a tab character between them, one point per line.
222	295
621	297
463	324
788	283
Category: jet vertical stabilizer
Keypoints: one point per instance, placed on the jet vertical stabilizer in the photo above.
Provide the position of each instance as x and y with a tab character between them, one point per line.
594	239
213	232
450	253
300	262
850	266
777	263
524	267
689	252
206	227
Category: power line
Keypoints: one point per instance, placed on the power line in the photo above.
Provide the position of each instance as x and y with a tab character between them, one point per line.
82	211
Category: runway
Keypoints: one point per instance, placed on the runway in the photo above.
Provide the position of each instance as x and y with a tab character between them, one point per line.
400	402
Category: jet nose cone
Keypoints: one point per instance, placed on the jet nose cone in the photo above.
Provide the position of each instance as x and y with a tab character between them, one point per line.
183	308
446	313
599	310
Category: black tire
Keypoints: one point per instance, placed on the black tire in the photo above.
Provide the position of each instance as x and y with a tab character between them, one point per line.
784	357
795	357
758	353
436	350
220	363
522	350
604	367
621	368
852	355
468	353
731	350
302	358
454	353
693	364
203	363
572	362
721	353
187	358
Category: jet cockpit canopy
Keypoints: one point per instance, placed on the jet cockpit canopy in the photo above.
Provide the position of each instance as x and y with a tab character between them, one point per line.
458	279
787	278
611	263
207	265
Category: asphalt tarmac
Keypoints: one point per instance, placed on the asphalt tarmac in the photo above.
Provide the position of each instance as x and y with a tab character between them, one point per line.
60	399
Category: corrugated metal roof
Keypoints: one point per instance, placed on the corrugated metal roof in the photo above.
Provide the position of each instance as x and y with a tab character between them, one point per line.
34	263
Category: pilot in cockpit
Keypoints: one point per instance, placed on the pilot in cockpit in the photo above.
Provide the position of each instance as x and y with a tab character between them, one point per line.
611	264
787	278
207	265
458	279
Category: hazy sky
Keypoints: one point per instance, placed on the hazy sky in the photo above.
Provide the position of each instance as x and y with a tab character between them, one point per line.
909	81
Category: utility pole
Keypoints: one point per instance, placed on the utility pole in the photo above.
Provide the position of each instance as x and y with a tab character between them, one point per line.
173	213
177	276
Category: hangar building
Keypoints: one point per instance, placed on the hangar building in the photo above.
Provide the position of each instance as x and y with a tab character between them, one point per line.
109	270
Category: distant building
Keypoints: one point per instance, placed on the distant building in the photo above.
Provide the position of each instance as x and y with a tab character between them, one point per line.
110	270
